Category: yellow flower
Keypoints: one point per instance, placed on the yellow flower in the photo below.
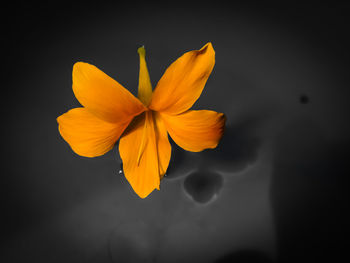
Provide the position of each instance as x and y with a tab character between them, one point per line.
111	112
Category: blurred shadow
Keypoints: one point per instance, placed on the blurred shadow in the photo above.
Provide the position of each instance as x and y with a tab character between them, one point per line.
238	147
202	186
304	99
309	194
181	162
245	256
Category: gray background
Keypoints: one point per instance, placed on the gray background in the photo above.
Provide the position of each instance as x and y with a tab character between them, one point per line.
275	190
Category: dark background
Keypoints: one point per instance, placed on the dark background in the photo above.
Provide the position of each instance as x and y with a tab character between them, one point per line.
275	190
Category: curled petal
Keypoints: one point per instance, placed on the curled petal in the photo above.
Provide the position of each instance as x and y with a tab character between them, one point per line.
88	135
102	95
183	81
145	151
195	130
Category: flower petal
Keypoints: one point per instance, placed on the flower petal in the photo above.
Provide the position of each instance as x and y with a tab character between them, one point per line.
145	151
195	130
102	95
163	144
88	135
183	81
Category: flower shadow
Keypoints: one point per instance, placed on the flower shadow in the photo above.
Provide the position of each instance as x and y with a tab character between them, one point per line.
203	186
181	162
237	149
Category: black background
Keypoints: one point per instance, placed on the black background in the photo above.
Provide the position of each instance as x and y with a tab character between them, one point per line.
281	77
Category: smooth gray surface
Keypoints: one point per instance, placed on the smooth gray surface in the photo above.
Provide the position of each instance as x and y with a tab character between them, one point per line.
275	185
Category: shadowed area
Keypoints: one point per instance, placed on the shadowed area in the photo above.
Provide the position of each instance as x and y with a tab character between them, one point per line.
202	186
181	162
310	195
244	256
304	99
237	149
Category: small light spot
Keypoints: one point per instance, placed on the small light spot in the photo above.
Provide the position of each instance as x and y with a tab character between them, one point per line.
120	172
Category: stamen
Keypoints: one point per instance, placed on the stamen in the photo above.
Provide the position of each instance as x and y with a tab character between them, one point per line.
145	86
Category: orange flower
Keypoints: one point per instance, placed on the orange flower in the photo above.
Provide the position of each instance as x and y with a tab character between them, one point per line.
111	112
